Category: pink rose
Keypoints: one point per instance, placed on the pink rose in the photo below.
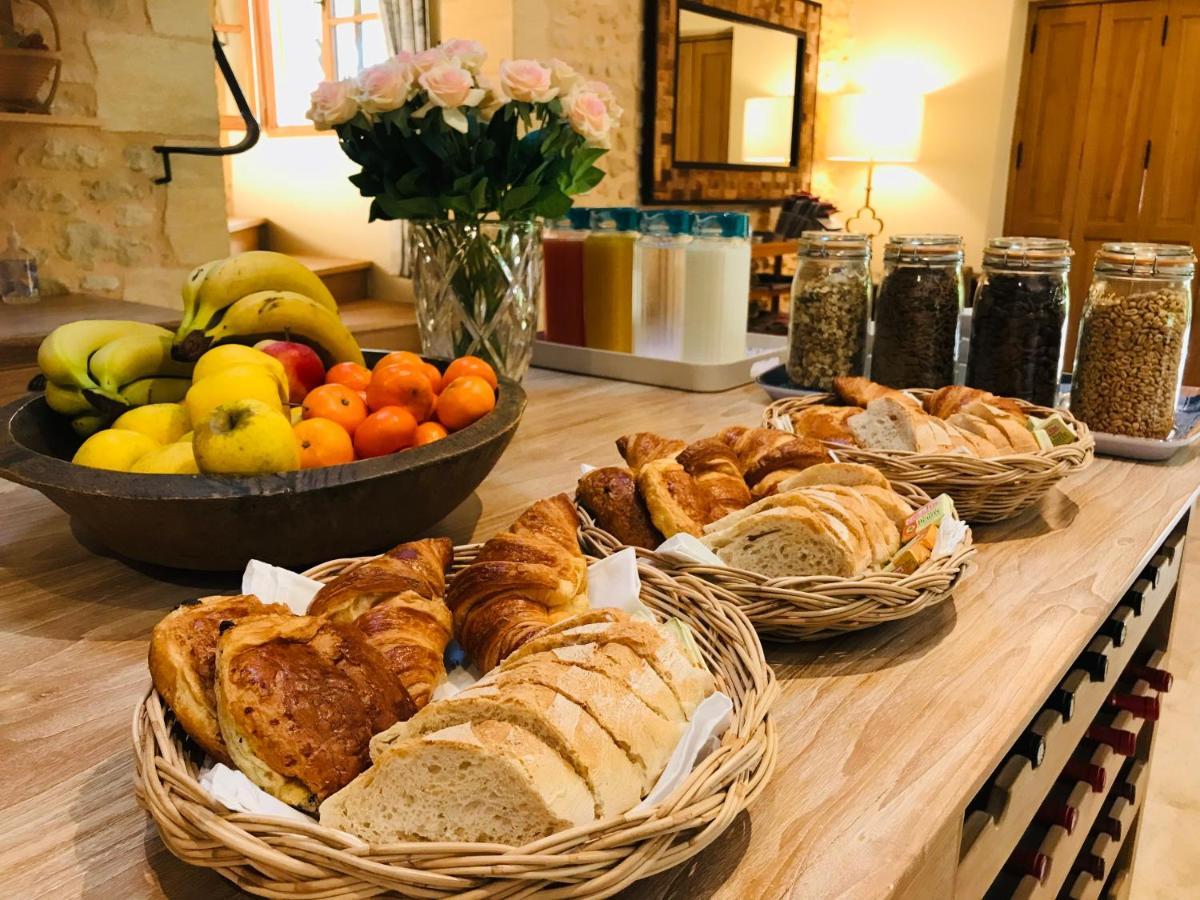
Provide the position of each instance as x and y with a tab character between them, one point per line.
527	80
450	87
332	104
384	87
563	77
493	98
588	115
427	59
468	54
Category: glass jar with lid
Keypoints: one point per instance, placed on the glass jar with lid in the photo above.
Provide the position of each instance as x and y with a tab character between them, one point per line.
916	314
1019	319
830	306
658	282
1133	339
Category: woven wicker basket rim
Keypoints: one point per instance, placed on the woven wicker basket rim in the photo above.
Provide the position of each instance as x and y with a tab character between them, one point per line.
276	857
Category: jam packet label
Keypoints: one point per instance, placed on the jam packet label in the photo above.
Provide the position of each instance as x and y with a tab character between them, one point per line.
932	513
1056	429
909	557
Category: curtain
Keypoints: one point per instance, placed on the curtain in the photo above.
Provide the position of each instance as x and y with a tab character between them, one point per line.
406	27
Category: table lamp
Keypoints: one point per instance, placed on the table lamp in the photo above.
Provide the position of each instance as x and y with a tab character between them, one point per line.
874	128
767	130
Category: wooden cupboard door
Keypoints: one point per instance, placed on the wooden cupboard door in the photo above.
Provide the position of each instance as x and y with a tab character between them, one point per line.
1051	120
705	83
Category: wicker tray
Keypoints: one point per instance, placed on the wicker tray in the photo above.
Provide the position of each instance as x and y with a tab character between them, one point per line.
810	607
984	490
274	857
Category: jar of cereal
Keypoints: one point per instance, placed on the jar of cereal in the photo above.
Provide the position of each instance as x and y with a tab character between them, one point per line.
831	302
1133	339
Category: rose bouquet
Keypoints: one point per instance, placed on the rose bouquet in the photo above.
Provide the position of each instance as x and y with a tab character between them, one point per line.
437	139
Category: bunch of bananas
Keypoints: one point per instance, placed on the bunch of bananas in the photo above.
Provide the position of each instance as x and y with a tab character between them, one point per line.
257	295
97	368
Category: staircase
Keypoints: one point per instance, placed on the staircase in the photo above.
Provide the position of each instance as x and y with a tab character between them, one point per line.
377	324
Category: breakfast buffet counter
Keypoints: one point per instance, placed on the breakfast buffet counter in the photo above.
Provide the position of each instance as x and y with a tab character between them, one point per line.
884	736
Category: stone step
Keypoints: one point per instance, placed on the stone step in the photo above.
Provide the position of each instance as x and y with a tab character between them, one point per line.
346	278
247	233
382	324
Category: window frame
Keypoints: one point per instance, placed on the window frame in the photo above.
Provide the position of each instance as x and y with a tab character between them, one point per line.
248	64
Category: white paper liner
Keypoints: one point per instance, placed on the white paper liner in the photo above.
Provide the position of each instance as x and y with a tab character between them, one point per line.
688	549
612	582
951	533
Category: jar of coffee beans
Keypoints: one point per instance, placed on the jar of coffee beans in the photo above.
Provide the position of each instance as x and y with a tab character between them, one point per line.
831	302
1019	320
916	315
1133	339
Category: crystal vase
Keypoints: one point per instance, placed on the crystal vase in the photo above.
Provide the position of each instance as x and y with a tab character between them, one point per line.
476	286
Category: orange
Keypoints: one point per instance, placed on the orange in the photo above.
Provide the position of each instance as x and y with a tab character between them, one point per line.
464	400
434	374
470	365
385	431
337	403
404	357
398	385
322	442
352	375
428	432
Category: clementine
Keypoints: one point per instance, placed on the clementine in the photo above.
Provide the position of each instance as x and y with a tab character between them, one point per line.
428	432
337	403
322	442
470	365
465	399
385	431
434	374
352	375
398	385
403	357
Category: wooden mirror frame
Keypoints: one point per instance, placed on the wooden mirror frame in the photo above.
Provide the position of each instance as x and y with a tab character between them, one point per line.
664	180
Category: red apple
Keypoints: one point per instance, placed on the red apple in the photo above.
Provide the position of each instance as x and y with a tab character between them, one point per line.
303	366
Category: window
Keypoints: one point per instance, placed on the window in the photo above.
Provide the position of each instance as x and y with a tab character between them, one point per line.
231	22
293	44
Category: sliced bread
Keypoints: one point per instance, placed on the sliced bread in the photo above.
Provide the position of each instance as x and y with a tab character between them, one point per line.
835	473
983	429
488	782
779	543
1015	427
884	535
888	424
895	507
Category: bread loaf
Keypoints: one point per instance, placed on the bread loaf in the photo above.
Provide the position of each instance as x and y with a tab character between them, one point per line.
779	543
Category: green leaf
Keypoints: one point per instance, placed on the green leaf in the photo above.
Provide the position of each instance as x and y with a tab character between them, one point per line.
412	208
585	181
551	203
518	197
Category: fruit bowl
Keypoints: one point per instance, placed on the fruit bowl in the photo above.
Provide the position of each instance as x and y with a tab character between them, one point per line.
217	523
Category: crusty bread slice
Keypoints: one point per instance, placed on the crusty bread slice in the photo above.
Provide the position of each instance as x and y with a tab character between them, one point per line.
645	736
875	524
832	505
489	782
984	429
559	723
895	507
1015	428
654	643
888	424
779	543
835	473
979	446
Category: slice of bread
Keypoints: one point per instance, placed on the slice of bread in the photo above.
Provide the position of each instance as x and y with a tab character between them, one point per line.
889	424
831	505
1015	427
979	446
895	507
489	782
835	473
559	723
876	525
779	543
984	429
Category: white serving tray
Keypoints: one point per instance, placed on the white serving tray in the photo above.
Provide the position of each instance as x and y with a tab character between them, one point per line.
763	351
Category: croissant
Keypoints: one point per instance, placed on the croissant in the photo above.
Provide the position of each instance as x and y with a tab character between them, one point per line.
645	447
396	602
858	391
714	466
522	581
826	424
768	457
946	401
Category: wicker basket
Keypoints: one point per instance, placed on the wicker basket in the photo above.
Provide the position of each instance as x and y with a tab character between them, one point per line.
984	490
810	607
23	73
278	858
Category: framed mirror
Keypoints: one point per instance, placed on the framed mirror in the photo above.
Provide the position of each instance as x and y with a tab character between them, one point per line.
728	100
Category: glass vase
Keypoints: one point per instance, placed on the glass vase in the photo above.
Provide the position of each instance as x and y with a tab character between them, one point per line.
476	287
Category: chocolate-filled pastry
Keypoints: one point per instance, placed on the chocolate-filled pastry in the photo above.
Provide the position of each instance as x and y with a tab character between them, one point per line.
718	474
298	700
644	447
183	652
610	494
675	501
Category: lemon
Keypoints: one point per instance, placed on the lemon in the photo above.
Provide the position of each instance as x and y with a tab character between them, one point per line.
227	385
116	449
226	356
173	459
165	422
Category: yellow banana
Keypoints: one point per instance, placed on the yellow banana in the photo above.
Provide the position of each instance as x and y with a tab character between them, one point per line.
191	287
287	316
160	389
135	356
228	281
66	401
87	424
65	353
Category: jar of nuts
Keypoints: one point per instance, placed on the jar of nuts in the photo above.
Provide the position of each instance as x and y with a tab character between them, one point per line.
1019	320
831	301
916	315
1133	339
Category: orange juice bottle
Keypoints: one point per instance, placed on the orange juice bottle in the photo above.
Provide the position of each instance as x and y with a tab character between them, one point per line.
608	279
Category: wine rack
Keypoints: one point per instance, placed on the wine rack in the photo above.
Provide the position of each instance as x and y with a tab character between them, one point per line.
1059	815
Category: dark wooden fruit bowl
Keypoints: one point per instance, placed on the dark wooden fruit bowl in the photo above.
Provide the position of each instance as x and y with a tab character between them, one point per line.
218	523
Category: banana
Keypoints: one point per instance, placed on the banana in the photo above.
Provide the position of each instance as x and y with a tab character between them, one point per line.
288	316
67	401
228	281
87	424
64	355
160	389
134	356
191	287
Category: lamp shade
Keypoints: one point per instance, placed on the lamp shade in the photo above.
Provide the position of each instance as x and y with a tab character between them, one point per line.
875	127
767	130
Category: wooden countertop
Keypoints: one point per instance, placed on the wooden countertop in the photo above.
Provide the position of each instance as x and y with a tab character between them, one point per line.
884	736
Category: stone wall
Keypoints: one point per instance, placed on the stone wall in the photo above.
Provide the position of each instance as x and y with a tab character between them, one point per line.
82	198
